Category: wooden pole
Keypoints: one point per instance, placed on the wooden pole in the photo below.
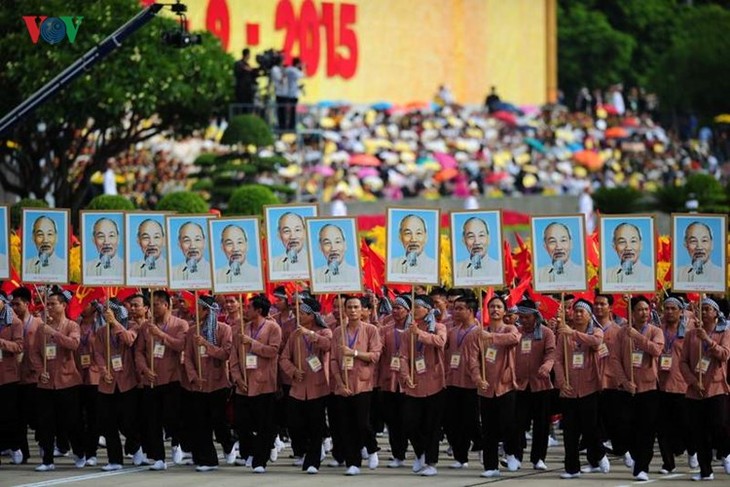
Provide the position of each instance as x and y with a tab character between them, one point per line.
197	329
631	340
413	338
45	323
108	335
151	317
565	340
343	325
702	295
242	359
298	349
481	328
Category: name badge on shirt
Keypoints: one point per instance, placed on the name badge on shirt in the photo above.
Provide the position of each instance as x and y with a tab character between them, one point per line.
158	351
51	351
665	362
579	360
348	362
603	351
202	350
395	363
703	365
526	345
116	363
85	360
182	357
420	365
20	357
637	358
455	360
1	355
314	363
490	354
252	361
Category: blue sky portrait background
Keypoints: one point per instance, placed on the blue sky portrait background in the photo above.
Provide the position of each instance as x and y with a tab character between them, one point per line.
645	225
3	230
395	247
253	254
348	229
133	221
681	224
574	225
495	233
272	222
88	247
60	218
175	222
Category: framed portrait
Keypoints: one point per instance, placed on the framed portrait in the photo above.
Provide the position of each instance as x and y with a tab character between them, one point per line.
4	243
699	252
102	248
334	255
189	264
235	253
286	241
45	247
476	248
559	254
628	254
412	246
147	251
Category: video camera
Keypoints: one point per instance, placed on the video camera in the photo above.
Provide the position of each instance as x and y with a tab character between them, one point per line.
268	59
180	37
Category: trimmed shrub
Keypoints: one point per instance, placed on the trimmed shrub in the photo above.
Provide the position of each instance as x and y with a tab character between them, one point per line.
250	200
183	202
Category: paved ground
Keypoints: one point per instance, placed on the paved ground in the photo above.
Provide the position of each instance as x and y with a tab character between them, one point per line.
282	473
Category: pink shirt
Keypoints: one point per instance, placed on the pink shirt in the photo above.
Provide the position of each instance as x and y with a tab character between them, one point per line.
583	363
461	342
28	373
167	360
716	356
121	360
213	359
287	324
361	374
11	346
429	375
389	364
263	358
643	358
610	339
532	356
300	353
61	369
85	362
670	373
498	360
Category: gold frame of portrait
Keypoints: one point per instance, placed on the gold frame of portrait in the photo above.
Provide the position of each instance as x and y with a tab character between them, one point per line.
454	235
602	251
676	243
269	267
310	254
122	238
536	240
214	238
169	217
388	236
67	212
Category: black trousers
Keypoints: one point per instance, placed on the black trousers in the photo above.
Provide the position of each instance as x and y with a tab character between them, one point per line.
162	405
58	413
499	422
393	404
89	419
209	412
533	408
118	412
616	419
255	427
27	417
422	423
333	418
706	420
644	411
283	420
580	418
307	418
353	414
673	428
377	423
460	420
9	418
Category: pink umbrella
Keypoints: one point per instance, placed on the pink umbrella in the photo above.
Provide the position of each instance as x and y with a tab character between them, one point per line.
447	161
506	117
367	171
325	171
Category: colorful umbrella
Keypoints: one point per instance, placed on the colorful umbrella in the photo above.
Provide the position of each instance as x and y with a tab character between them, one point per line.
364	160
325	171
505	117
367	171
447	161
589	159
616	133
446	175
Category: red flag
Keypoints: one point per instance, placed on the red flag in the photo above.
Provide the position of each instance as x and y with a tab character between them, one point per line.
548	306
510	273
485	303
515	295
592	249
12	283
125	292
83	295
373	268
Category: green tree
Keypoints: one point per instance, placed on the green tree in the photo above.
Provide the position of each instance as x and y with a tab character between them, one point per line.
183	202
110	202
16	211
250	199
618	200
135	93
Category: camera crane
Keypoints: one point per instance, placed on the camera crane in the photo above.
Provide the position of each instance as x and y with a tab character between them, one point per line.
178	38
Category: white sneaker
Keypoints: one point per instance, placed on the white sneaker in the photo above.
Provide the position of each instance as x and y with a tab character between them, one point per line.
540	465
604	464
699	477
177	455
419	464
628	461
298	461
457	465
335	463
513	464
553	441
278	444
373	461
206	468
643	476
274	454
58	453
16	457
138	457
490	473
79	462
111	467
91	462
102	442
664	471
353	471
327	443
259	469
429	471
693	462
364	453
158	465
567	476
589	469
231	457
312	469
396	463
726	464
528	435
322	454
45	467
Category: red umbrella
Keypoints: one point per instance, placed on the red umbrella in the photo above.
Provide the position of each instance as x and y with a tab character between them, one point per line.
364	160
610	109
446	174
616	133
588	159
506	117
496	177
630	122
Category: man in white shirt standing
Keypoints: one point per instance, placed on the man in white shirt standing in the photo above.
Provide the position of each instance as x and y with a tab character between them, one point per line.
281	91
293	74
